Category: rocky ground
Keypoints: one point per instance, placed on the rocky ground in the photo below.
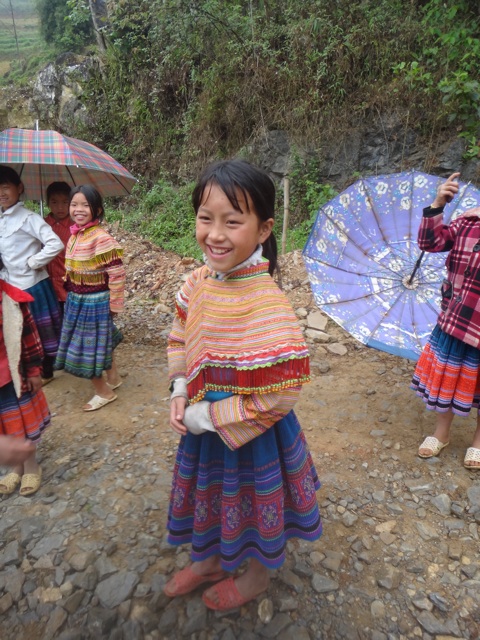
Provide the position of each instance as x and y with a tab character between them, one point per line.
86	557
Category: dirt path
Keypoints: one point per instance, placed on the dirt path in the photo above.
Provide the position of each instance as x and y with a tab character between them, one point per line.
86	557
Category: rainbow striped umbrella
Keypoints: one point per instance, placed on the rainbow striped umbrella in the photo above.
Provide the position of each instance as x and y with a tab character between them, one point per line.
42	157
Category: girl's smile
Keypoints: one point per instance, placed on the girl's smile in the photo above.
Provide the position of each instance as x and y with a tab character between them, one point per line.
80	210
228	236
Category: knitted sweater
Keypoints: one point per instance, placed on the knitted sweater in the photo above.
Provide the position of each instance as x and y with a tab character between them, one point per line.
238	335
93	263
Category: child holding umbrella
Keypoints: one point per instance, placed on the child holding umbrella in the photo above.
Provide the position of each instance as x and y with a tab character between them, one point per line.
447	373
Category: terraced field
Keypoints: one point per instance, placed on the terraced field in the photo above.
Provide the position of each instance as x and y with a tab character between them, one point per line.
27	29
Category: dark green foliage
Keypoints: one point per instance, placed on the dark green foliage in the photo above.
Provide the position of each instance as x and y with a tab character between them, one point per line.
66	24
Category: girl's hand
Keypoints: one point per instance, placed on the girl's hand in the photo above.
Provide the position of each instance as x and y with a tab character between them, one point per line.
446	191
34	384
177	412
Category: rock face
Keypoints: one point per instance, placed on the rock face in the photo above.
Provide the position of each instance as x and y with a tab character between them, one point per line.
57	91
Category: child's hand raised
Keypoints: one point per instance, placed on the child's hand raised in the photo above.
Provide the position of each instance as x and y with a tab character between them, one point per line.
446	191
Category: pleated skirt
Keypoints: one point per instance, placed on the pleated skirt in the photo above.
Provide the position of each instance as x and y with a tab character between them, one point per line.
245	503
446	376
47	315
89	335
24	417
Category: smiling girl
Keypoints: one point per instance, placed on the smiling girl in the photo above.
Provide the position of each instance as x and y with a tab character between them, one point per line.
244	481
95	281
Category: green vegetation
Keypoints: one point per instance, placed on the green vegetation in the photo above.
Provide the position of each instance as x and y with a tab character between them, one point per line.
183	82
20	56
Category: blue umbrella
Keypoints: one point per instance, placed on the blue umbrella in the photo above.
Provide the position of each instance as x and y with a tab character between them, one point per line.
364	265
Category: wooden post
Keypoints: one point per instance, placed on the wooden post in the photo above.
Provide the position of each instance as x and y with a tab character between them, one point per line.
286	211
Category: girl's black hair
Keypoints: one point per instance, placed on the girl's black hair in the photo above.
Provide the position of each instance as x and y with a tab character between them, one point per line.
93	198
9	176
233	176
58	188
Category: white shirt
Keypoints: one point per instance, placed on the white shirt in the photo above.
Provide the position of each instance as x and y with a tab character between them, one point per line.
27	245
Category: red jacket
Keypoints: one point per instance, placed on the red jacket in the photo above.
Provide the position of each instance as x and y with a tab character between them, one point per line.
460	315
56	268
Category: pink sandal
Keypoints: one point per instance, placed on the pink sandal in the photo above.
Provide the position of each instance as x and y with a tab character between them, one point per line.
228	596
187	580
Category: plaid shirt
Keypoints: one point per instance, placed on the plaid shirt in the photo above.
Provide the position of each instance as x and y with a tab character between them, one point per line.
460	315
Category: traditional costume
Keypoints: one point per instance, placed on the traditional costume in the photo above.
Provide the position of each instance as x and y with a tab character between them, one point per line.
95	281
22	414
247	484
446	375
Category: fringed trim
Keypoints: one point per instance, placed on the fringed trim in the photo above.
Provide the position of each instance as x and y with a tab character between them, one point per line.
92	263
87	278
281	375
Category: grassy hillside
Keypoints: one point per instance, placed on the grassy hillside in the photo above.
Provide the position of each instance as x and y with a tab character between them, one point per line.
28	33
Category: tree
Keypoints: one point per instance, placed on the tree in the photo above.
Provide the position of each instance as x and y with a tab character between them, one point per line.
66	24
99	13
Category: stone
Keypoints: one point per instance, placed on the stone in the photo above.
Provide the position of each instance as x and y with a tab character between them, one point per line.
55	622
377	609
117	588
265	611
388	577
317	320
337	348
443	503
6	602
278	624
426	531
323	584
73	601
47	545
11	554
101	621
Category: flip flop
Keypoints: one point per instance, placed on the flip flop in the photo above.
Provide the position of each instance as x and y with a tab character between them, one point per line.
187	580
115	386
472	455
228	596
10	482
46	381
434	445
30	483
97	402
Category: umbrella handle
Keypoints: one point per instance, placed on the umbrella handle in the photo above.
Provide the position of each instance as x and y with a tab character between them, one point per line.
416	267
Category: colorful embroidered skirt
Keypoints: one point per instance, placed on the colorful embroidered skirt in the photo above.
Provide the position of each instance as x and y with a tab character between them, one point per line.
446	376
24	417
245	503
47	316
89	335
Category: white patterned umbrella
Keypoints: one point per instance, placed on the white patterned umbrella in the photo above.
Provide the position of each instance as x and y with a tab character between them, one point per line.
365	268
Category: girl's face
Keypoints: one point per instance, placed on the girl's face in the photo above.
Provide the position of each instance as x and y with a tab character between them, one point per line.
58	205
80	210
10	194
227	236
